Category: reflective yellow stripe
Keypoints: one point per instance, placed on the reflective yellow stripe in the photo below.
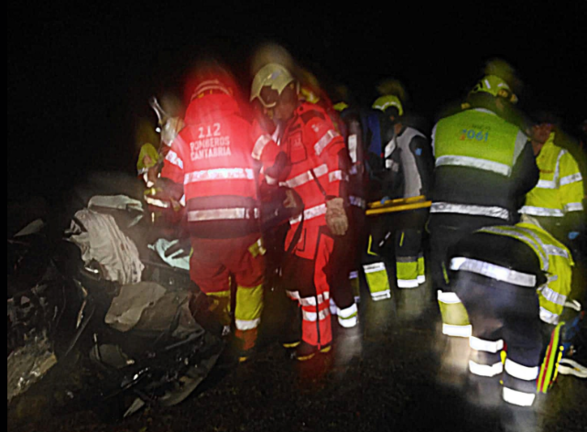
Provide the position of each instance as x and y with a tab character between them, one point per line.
377	280
249	306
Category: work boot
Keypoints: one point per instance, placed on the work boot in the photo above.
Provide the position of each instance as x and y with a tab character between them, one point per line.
246	340
292	332
305	351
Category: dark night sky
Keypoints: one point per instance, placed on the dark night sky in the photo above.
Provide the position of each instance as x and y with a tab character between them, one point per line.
78	76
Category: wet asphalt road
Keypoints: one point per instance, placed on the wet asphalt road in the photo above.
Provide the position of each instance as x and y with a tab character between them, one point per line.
395	373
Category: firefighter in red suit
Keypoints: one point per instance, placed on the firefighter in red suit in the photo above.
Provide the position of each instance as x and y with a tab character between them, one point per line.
319	169
214	161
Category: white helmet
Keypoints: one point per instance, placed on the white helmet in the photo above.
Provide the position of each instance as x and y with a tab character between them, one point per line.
274	76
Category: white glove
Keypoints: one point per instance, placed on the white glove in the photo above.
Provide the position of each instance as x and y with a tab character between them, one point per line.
336	218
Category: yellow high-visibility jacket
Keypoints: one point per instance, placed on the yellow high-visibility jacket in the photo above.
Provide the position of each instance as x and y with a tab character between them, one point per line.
555	260
560	188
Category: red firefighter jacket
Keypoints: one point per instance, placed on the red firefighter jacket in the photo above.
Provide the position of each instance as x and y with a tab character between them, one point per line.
215	157
317	154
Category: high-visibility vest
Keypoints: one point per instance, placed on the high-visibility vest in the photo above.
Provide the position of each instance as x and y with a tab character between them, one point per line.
560	188
482	141
555	261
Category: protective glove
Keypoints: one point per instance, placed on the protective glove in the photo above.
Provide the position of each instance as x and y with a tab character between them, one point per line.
336	218
385	199
573	235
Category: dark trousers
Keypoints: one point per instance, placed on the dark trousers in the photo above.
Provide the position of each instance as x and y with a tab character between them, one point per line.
445	231
503	317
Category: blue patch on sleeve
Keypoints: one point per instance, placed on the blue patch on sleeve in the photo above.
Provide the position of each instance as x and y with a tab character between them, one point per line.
419	152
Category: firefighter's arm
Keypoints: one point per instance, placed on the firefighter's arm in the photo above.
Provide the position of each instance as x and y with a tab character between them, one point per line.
329	147
525	173
273	160
172	174
420	148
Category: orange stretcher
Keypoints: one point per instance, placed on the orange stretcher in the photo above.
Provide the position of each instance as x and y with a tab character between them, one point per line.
397	205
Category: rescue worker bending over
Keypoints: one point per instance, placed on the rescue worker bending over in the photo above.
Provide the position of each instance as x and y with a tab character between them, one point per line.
514	281
484	166
318	156
213	161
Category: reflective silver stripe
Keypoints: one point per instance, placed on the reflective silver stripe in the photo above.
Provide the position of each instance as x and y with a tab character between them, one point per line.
520	371
547	316
407	283
536	243
311	213
247	324
485	370
558	166
518	398
306	177
260	146
485	345
174	159
390	148
357	202
311	301
157	202
324	141
521	140
475	210
547	248
573	178
457	330
471	162
337	176
218	214
493	271
381	295
541	211
374	268
219	174
573	207
352	144
545	184
349	312
447	297
353	275
556	251
313	316
348	322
